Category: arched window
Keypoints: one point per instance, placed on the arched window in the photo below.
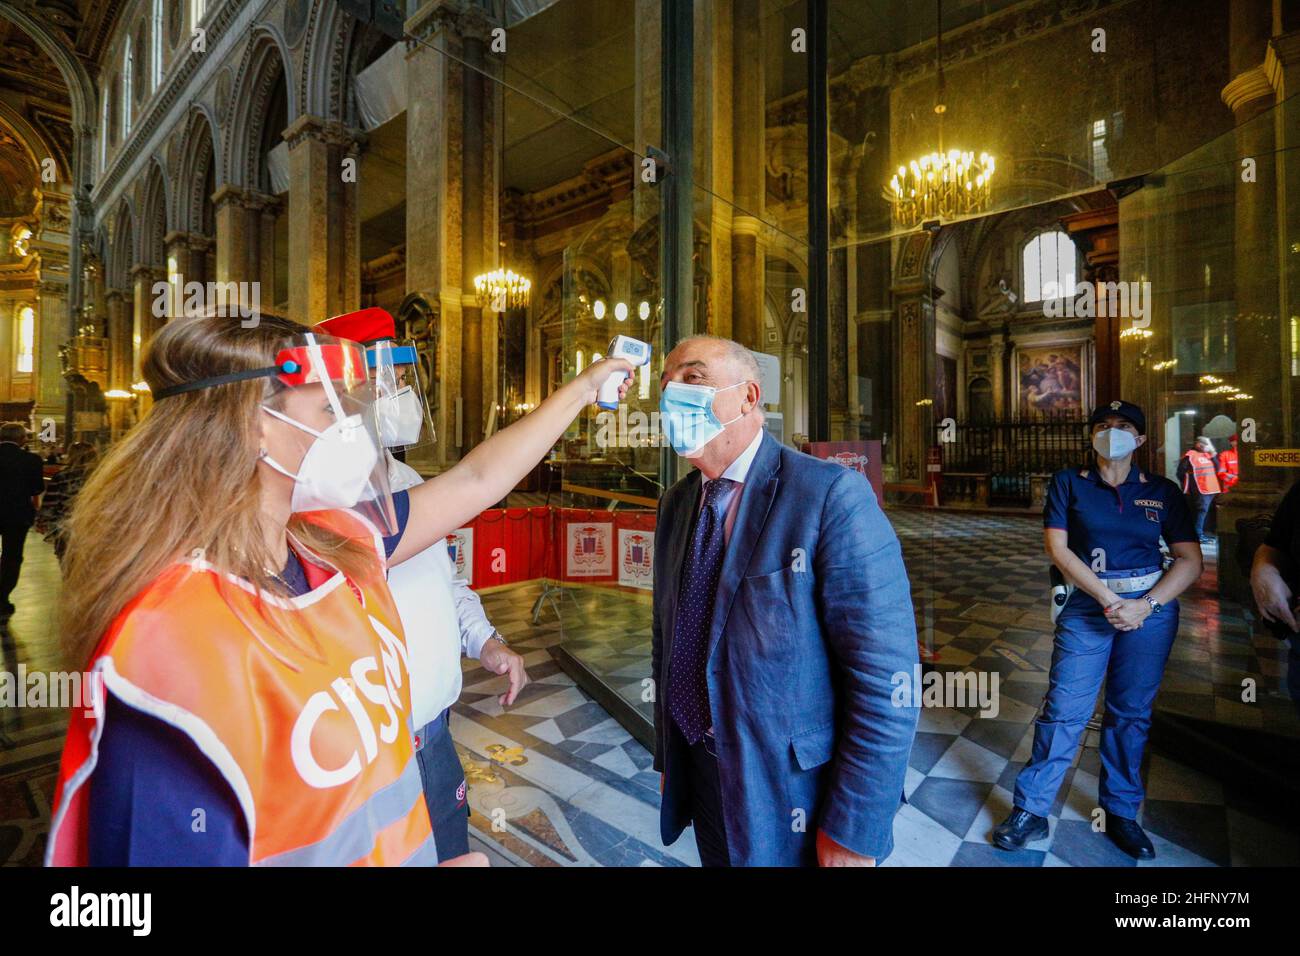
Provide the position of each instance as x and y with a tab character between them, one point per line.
25	339
1049	264
128	61
156	43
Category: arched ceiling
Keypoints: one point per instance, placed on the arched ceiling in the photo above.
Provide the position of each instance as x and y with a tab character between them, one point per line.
83	25
18	175
31	82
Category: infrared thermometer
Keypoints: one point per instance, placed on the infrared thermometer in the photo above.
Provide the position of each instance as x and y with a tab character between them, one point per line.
624	347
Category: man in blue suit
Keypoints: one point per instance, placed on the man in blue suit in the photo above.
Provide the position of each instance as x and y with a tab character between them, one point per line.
781	614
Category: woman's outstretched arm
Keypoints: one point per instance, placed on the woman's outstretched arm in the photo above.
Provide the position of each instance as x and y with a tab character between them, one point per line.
489	472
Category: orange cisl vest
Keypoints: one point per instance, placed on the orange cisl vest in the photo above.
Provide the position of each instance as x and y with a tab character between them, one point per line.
316	746
1207	482
1229	470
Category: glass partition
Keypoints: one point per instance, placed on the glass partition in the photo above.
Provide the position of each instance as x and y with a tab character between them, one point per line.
1207	247
608	462
1036	208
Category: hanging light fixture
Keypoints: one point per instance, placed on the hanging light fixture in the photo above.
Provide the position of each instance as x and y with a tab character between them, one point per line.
942	184
502	289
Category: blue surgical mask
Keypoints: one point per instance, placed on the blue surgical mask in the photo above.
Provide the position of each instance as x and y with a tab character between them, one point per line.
686	413
1114	443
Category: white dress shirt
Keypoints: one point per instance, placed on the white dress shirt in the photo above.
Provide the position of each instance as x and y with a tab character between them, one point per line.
442	617
736	472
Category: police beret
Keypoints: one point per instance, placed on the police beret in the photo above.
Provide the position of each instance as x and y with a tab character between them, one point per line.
1123	409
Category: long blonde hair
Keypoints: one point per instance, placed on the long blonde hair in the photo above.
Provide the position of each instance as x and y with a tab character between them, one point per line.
184	478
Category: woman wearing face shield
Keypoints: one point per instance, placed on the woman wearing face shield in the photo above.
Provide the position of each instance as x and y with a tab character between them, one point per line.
226	589
1103	524
442	616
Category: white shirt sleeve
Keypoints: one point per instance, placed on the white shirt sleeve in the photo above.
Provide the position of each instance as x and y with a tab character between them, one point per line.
475	628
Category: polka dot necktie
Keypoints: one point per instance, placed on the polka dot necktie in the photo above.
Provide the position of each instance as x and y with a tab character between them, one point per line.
688	689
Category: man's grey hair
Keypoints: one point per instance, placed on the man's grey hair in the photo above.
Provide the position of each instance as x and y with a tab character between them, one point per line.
15	432
742	356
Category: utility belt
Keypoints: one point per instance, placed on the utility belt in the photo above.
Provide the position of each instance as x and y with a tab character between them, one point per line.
1120	582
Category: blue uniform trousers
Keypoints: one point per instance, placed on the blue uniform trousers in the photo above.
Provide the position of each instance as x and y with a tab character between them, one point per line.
445	789
1088	650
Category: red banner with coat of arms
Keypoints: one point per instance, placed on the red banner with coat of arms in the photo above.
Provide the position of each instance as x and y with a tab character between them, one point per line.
864	457
592	546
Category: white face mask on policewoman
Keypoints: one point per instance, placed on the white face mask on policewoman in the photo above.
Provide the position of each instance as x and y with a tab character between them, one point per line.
1114	443
401	417
336	469
687	417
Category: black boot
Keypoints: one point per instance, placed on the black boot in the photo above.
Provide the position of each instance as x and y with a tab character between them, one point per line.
1128	836
1018	829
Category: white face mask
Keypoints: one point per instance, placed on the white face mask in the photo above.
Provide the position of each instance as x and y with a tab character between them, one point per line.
337	467
401	417
1114	443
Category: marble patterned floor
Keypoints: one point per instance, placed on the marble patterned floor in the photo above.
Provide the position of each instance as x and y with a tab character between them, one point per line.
555	781
961	771
979	585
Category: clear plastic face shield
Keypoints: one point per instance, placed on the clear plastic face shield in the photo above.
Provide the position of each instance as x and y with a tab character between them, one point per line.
324	432
401	403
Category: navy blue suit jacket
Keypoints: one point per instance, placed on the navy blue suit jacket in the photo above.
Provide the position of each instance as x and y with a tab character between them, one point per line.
812	619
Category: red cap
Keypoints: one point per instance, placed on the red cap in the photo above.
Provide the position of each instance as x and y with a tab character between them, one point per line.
368	325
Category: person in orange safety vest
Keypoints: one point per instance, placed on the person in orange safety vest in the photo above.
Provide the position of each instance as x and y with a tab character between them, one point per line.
1198	475
225	587
1229	470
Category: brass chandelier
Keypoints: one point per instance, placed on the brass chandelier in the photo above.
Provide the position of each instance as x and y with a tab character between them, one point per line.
502	289
943	184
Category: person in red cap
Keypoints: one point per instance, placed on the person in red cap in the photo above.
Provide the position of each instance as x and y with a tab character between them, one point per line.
441	614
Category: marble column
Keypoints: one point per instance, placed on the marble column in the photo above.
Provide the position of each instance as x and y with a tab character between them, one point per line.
324	253
915	357
748	174
148	314
1003	402
52	327
186	257
475	96
121	354
233	234
95	311
647	122
433	200
1263	332
452	210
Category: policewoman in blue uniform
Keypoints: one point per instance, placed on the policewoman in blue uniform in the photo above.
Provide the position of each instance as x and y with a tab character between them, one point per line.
1102	528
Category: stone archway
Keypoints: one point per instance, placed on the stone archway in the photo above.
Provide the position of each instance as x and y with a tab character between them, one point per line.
191	244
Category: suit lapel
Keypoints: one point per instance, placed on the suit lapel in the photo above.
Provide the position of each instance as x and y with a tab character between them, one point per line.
755	502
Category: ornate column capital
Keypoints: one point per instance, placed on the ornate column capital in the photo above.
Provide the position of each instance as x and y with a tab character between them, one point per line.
227	195
142	270
1247	87
1283	51
329	132
448	16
